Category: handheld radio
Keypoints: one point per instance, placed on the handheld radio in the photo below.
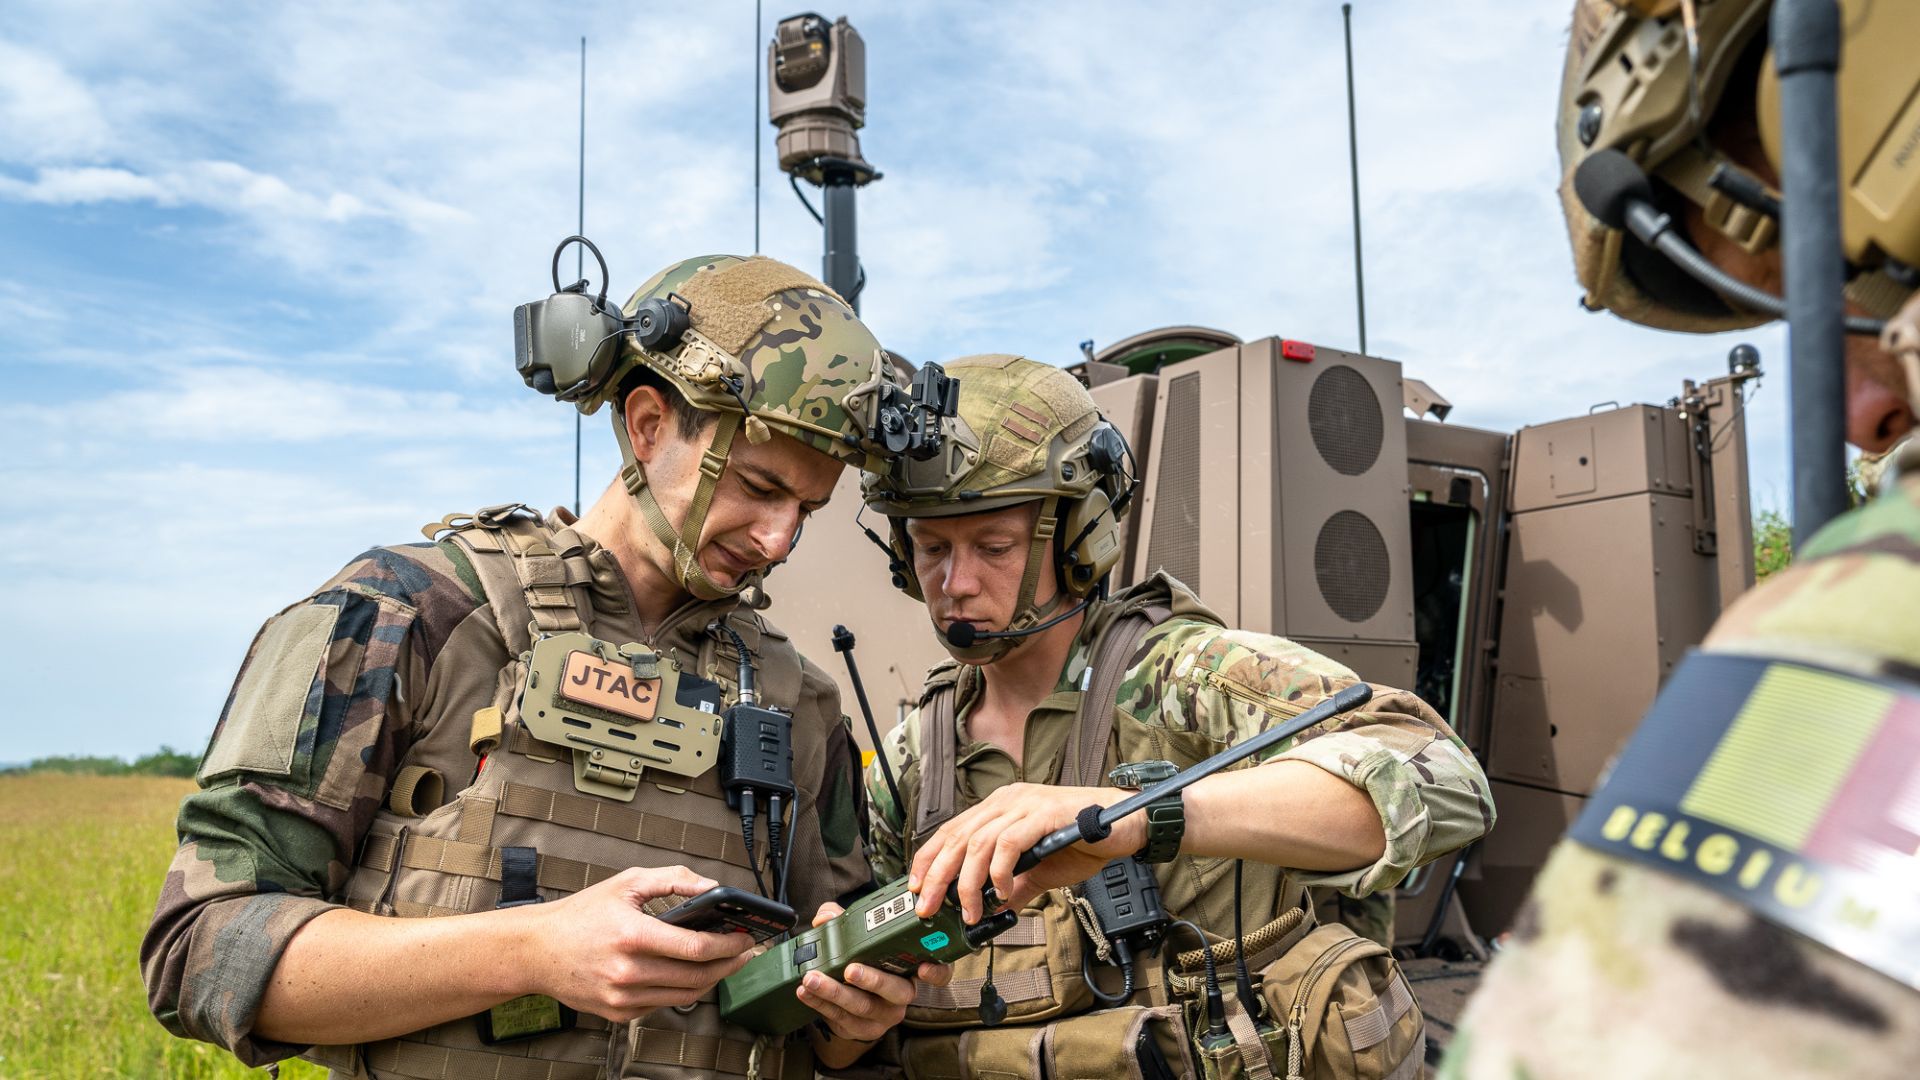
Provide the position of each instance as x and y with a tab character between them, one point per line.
883	931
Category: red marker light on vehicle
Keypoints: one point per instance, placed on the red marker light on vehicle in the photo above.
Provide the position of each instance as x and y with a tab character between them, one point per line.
1297	350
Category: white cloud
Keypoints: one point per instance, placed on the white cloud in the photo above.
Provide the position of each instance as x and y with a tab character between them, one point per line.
46	114
300	346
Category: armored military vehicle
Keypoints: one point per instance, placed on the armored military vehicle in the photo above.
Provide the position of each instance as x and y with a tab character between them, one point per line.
1535	587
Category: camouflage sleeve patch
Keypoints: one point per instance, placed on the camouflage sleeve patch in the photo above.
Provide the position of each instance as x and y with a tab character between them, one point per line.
887	846
1195	679
264	849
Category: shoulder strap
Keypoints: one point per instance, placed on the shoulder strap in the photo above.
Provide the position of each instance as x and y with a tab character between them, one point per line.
939	785
1112	654
531	587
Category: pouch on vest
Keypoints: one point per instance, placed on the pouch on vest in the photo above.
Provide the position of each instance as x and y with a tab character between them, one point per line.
1036	970
1138	1042
1340	1008
1244	1052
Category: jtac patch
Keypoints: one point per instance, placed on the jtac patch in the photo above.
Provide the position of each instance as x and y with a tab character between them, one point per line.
1793	790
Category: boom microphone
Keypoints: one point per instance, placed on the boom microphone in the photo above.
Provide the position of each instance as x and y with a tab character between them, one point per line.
1607	183
962	635
1616	191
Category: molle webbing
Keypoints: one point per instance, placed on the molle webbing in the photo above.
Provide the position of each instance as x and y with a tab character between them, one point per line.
1014	987
477	860
425	1061
622	823
405	909
728	305
702	1053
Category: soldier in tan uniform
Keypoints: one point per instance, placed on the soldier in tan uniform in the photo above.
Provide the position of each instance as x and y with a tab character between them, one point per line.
399	866
1739	898
1060	697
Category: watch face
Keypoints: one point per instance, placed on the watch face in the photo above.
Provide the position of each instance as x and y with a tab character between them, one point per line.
1141	774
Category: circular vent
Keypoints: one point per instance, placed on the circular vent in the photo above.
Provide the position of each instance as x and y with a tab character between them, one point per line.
1350	565
1345	418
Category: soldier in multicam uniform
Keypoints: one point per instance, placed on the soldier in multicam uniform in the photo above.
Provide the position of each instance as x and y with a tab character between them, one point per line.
371	761
1017	734
1640	952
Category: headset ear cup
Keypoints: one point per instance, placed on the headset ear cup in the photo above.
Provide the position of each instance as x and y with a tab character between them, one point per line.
1084	565
901	567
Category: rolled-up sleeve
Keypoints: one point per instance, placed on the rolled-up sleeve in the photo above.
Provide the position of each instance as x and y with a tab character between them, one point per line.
1229	685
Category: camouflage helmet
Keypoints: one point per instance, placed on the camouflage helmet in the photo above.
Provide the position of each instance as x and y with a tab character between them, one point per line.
1026	432
1639	81
1649	78
766	340
766	347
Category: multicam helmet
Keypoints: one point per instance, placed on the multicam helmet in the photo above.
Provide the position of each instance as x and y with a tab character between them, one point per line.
765	347
1648	78
1026	432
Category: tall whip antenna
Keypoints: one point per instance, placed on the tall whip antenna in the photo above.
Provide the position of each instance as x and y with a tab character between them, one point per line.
757	64
1353	157
580	251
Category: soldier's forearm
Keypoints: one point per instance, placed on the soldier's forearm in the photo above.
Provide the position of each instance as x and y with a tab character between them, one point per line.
350	977
1288	813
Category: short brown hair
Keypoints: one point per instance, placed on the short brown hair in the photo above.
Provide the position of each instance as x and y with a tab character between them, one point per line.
687	420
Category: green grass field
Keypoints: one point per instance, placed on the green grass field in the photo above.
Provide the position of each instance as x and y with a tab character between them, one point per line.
81	859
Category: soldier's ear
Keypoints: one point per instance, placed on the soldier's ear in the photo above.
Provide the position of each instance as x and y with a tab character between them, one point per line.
649	418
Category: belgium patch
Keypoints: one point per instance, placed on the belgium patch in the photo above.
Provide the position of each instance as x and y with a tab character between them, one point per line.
1793	790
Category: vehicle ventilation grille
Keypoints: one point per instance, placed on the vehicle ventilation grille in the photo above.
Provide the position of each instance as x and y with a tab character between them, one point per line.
1351	567
1175	547
1345	418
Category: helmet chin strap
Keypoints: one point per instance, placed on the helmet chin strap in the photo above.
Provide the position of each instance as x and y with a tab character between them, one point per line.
684	544
1026	614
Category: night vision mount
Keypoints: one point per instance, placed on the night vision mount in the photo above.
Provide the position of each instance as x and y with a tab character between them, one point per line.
911	421
566	345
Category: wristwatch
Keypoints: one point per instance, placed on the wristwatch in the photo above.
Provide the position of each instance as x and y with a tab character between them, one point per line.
1166	817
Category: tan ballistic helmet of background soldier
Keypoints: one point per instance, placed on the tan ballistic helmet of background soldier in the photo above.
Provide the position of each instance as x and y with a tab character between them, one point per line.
1686	90
763	346
1028	432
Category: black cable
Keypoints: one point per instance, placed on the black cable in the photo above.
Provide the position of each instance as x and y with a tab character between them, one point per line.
1123	959
794	179
1242	982
775	823
1216	1005
744	673
746	834
1655	229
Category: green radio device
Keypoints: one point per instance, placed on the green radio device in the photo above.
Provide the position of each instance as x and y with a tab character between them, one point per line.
882	930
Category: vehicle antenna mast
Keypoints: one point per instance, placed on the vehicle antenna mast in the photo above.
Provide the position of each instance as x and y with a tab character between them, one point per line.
817	101
1353	161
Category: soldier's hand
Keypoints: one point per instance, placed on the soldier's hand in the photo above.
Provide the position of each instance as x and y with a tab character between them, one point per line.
596	950
982	843
868	1002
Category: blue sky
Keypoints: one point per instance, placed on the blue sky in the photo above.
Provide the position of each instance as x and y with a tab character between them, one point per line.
257	274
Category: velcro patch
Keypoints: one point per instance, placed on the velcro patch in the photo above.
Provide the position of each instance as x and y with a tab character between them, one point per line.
728	304
1787	788
261	728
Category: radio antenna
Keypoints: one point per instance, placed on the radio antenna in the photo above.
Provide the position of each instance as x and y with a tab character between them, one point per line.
1353	159
756	126
580	265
